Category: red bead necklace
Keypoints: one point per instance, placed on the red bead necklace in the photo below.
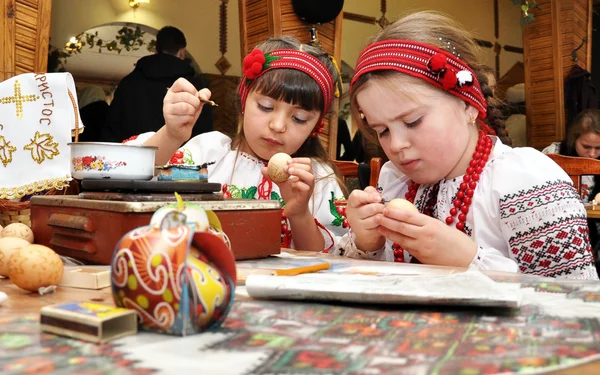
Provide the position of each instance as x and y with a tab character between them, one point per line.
464	195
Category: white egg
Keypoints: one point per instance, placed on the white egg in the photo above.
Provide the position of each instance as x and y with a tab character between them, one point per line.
276	167
597	198
35	266
19	230
402	204
8	245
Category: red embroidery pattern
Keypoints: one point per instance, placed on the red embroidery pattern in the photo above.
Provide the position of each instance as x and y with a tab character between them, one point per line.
132	138
264	188
552	246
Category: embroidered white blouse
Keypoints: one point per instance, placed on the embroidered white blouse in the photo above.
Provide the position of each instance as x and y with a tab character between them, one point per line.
587	182
241	173
525	216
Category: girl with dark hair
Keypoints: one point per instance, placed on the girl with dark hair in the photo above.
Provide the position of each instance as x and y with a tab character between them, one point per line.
285	93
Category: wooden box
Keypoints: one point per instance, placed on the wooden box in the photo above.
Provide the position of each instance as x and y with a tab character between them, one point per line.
90	229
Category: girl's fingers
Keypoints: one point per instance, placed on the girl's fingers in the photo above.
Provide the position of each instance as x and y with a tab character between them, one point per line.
181	109
303	175
183	85
305	161
183	97
304	167
204	94
405	242
360	198
301	186
371	222
401	227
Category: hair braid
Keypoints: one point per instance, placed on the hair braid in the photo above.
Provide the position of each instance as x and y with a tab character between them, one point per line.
494	119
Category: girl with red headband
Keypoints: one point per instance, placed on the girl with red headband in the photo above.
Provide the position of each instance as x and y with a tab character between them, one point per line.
285	93
481	203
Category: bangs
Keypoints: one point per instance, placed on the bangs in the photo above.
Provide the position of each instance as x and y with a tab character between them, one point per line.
291	86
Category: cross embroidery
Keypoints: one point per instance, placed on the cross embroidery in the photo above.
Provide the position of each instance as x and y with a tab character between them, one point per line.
18	99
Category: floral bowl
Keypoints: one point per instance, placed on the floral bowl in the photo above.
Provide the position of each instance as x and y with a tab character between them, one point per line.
98	160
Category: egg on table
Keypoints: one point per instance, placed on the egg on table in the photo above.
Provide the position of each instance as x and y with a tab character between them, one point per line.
402	204
8	245
35	266
276	167
19	230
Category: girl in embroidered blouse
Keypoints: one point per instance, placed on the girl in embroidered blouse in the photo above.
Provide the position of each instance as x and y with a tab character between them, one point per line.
286	91
482	204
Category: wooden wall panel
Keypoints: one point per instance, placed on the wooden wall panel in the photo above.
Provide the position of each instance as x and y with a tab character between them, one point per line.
7	39
24	36
260	19
559	28
224	89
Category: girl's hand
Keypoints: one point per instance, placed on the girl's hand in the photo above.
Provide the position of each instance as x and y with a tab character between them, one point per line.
297	190
182	107
429	240
362	212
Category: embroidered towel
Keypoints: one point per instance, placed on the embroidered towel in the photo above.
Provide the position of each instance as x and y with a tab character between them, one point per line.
38	116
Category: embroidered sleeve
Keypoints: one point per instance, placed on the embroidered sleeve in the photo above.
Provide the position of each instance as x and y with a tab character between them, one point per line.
553	148
346	247
492	259
547	231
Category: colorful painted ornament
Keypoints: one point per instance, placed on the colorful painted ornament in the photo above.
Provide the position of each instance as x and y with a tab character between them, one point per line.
177	274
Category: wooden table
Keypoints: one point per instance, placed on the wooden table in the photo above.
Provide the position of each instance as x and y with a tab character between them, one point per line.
21	302
593	212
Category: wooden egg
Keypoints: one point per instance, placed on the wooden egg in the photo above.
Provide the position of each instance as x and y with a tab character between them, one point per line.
402	204
35	266
19	230
276	167
8	245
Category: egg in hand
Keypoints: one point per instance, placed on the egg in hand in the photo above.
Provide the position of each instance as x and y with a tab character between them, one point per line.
276	167
402	204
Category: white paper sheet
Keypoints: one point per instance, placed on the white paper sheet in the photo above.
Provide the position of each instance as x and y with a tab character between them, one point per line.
469	288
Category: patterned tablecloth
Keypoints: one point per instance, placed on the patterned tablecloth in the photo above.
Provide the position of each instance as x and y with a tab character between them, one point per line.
556	327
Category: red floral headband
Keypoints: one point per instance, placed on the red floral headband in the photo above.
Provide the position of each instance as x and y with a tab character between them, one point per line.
438	67
258	62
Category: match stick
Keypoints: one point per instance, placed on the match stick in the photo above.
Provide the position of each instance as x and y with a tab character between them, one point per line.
209	102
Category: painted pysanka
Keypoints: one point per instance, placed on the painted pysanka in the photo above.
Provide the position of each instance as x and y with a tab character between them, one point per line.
178	276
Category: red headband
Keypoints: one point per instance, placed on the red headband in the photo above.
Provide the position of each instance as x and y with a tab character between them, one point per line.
438	67
257	63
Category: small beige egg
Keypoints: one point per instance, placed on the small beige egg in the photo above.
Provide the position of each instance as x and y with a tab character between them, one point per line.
8	245
276	165
402	204
597	198
19	230
35	266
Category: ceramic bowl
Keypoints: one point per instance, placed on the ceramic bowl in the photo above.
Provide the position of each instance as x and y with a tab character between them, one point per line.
98	160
